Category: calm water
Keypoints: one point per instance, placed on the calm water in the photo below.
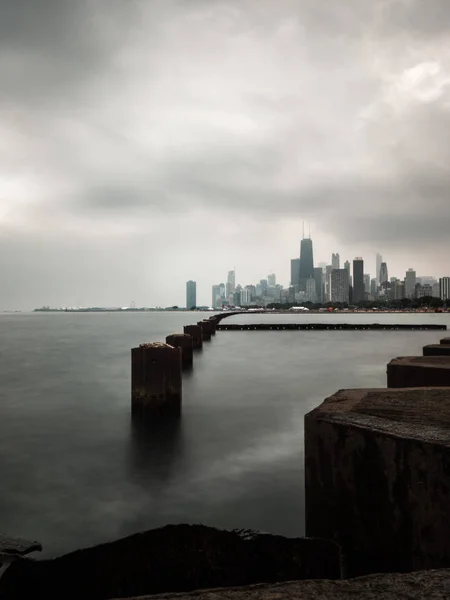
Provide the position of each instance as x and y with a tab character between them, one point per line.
75	472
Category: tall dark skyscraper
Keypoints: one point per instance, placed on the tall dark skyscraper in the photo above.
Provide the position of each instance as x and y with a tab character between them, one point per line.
306	262
295	271
358	280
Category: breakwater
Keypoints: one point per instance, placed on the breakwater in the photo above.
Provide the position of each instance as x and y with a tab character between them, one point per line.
329	327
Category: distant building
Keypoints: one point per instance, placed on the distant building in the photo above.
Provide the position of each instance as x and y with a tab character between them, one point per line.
444	288
272	279
245	297
306	262
191	294
383	274
358	280
367	284
410	283
216	296
347	266
422	291
264	285
328	271
318	277
231	283
339	286
399	290
311	289
378	261
373	288
335	261
436	290
295	271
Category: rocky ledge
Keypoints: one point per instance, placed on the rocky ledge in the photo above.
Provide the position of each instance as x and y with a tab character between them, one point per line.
432	585
175	558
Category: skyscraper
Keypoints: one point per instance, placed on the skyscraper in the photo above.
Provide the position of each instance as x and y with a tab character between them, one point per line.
383	274
444	288
358	280
216	297
272	279
378	261
335	261
339	286
318	276
231	283
295	271
410	283
191	294
306	262
366	283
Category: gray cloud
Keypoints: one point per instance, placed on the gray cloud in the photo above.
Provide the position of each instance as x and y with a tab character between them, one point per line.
121	120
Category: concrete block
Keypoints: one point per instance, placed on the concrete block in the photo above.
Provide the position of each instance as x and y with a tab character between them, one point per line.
418	371
436	350
377	479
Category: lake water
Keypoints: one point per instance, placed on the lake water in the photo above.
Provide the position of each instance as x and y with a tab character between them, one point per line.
75	472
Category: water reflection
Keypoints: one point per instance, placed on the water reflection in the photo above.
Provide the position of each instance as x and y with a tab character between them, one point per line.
156	447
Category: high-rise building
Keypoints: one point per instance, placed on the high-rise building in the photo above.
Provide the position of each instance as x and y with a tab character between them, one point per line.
378	261
318	276
306	262
436	290
311	289
339	286
328	271
347	266
444	288
191	294
383	274
272	279
231	283
367	283
399	290
295	271
335	261
216	297
410	283
358	280
373	288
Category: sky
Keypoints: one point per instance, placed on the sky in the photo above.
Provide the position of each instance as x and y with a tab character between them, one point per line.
144	143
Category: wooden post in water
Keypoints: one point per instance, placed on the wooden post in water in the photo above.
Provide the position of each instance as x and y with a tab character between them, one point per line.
206	330
156	384
185	342
195	331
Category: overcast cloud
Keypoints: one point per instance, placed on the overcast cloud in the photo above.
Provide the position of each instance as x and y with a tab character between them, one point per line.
147	142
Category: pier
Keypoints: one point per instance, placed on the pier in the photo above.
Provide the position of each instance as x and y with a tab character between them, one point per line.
329	327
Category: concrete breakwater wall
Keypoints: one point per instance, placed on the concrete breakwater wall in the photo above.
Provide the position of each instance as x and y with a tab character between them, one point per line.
329	327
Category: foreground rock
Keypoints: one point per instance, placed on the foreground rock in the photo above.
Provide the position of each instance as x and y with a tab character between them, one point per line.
174	558
431	585
377	477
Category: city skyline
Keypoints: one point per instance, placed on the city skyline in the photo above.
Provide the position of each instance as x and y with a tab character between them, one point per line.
144	144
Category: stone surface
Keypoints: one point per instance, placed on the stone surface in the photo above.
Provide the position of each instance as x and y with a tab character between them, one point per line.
428	585
185	342
173	558
156	384
436	350
18	546
377	477
418	371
